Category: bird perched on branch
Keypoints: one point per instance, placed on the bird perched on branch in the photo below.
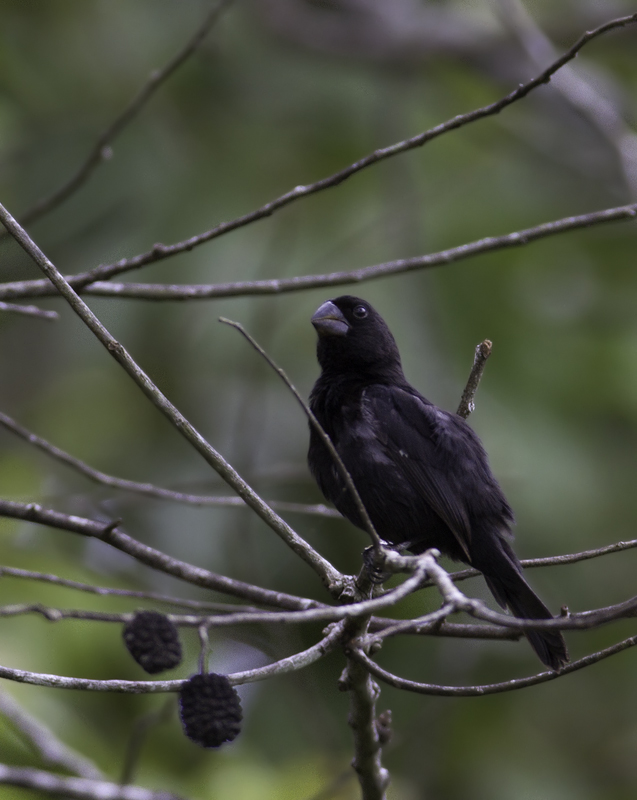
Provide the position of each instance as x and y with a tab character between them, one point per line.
421	472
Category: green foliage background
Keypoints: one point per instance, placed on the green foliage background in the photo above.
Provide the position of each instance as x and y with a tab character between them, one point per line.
245	120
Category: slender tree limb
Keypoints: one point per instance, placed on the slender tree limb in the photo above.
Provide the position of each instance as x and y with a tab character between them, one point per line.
331	578
51	750
197	605
489	244
338	461
289	664
291	617
29	311
139	734
295	662
160	251
492	688
579	92
429	625
458	601
31	512
305	610
148	489
457	630
101	150
76	788
420	567
467	401
554	561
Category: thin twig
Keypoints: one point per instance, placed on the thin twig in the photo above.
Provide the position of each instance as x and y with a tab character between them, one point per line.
425	624
492	688
579	92
139	733
51	750
160	251
149	489
101	150
447	629
467	401
331	577
360	507
554	561
167	292
56	580
29	311
32	512
76	788
284	665
204	645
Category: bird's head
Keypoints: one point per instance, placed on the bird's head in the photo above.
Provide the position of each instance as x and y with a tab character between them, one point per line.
354	339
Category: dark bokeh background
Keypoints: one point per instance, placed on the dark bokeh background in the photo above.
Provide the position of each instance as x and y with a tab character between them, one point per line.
285	92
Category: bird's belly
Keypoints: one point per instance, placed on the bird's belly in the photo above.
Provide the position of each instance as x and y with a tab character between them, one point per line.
398	512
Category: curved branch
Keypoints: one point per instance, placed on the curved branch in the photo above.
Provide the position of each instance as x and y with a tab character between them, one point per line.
338	461
31	512
101	150
50	749
489	688
56	580
161	251
289	664
29	311
331	577
556	561
149	489
76	788
161	291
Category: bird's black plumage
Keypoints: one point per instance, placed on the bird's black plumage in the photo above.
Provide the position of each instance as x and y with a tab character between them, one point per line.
421	472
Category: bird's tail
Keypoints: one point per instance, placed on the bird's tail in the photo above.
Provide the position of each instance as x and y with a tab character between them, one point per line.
513	592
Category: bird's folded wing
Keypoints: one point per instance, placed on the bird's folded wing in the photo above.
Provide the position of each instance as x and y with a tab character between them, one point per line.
426	444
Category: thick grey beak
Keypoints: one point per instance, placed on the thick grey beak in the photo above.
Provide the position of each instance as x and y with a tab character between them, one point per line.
329	320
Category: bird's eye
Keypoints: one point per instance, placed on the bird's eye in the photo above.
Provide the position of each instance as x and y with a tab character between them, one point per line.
360	312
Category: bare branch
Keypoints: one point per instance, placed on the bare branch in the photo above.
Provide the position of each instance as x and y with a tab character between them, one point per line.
50	749
250	617
553	561
161	291
160	251
447	629
76	788
467	404
351	487
197	605
138	736
148	489
331	578
295	662
284	665
579	92
29	311
101	150
491	688
458	601
31	512
307	610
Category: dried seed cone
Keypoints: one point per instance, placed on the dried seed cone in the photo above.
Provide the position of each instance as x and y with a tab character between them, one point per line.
153	641
210	710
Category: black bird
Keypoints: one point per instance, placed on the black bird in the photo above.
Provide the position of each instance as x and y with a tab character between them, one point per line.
421	472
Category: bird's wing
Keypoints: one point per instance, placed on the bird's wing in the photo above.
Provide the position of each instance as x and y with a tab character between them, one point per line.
434	450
